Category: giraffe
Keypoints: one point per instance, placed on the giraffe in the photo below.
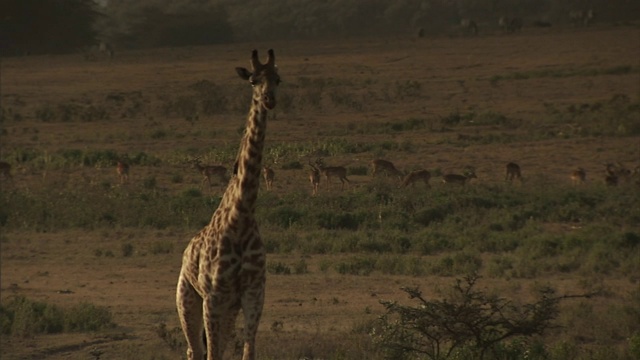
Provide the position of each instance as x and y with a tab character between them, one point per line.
223	266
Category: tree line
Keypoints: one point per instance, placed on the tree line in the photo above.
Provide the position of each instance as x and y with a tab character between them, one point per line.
62	26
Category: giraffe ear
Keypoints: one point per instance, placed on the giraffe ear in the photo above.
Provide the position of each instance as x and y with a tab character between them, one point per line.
244	73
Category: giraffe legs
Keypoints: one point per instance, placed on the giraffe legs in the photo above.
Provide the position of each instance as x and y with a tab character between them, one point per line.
228	327
212	324
189	306
252	303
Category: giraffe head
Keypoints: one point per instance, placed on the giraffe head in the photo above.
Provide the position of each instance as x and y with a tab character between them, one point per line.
263	77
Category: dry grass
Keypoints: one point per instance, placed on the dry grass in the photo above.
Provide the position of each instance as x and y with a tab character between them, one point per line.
321	307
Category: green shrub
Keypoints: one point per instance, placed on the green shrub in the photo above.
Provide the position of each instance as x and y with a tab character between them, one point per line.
162	247
356	266
284	217
467	324
23	317
278	268
331	220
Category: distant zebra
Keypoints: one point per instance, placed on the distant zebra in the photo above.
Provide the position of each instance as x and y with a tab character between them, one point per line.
581	17
469	27
510	25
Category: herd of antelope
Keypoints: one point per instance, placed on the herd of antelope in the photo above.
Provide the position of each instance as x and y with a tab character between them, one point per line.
577	17
387	167
614	174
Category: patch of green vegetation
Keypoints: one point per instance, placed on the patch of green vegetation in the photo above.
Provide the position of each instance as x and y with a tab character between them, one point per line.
506	224
563	73
22	317
468	324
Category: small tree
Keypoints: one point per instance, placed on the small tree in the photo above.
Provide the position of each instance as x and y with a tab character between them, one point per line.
467	321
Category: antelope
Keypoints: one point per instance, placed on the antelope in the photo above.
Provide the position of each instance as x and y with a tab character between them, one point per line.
513	172
106	49
510	25
588	17
581	17
5	170
614	173
469	26
122	168
333	171
385	166
314	178
611	176
208	171
503	22
578	176
415	176
515	24
459	179
268	175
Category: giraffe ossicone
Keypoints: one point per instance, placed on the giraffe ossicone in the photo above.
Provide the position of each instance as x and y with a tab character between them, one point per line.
223	266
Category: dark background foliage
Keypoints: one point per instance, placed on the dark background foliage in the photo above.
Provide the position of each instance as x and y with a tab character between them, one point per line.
63	26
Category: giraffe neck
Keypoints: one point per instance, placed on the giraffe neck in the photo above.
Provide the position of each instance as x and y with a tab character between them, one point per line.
250	156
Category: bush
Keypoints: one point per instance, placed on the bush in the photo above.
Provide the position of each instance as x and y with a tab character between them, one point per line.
24	317
466	324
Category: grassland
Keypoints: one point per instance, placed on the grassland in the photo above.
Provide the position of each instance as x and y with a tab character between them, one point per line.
550	100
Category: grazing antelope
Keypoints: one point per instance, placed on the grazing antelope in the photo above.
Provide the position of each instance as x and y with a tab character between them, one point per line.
5	170
385	166
106	49
611	180
333	171
610	176
268	175
122	168
581	17
510	25
208	171
314	178
415	176
578	176
616	173
459	179
513	172
469	26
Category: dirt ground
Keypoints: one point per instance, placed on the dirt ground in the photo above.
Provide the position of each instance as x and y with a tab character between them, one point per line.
61	267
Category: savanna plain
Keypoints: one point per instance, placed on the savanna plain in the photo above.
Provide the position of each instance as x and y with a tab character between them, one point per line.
90	261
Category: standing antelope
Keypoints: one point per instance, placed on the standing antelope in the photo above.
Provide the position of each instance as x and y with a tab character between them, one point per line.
513	172
616	173
5	170
385	166
578	176
469	27
122	168
459	179
268	175
415	176
208	171
581	17
314	178
510	25
106	49
330	171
